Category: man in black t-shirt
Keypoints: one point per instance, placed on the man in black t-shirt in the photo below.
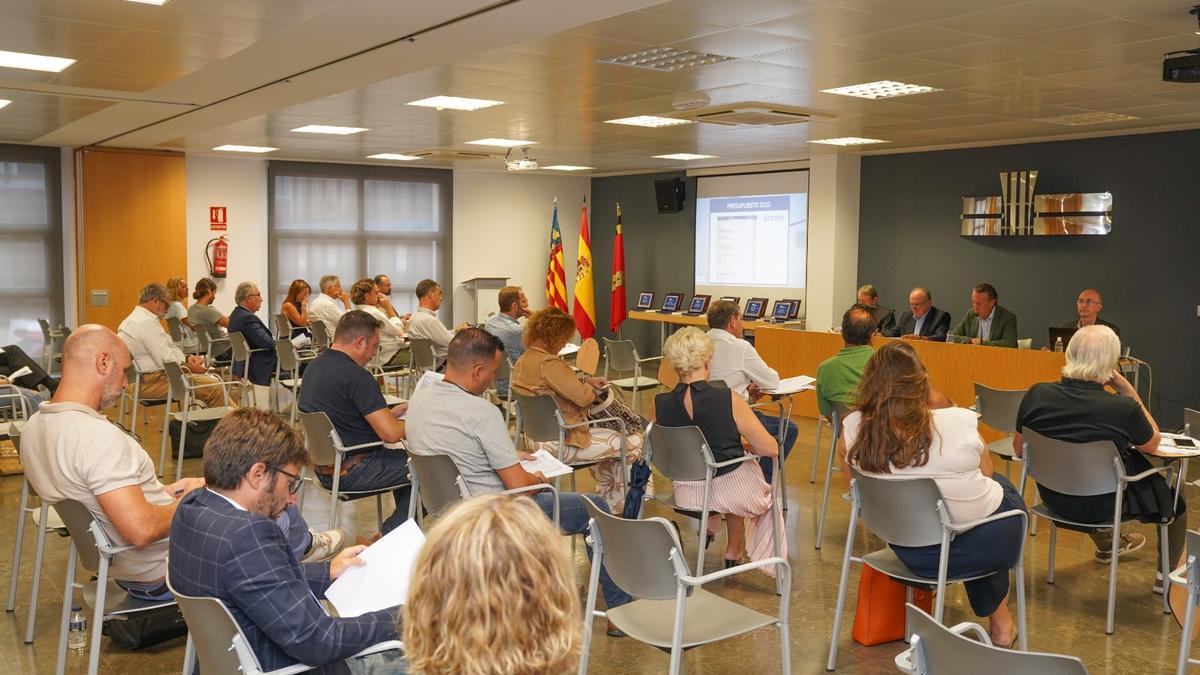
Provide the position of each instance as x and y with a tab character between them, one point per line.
338	384
1077	409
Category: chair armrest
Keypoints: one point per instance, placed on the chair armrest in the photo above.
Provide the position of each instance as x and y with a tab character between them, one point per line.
360	446
1178	575
588	423
532	488
1146	474
996	516
648	359
386	645
730	462
738	569
113	550
189	384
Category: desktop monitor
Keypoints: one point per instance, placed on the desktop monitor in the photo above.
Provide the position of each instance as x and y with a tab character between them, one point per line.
781	310
795	310
755	307
699	305
671	302
645	300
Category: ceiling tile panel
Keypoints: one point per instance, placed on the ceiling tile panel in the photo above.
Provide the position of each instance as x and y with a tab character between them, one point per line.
911	39
648	29
1008	20
731	14
818	23
1100	35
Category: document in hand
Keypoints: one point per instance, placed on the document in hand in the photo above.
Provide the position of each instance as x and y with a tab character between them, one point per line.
383	581
547	463
18	373
791	385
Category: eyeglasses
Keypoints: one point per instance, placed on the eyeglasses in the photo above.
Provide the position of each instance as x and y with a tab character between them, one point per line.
294	481
1087	301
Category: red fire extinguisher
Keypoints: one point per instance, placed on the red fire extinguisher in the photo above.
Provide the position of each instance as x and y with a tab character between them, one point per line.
218	262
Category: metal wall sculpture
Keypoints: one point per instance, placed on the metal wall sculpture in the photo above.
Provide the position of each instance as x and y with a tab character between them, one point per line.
1017	211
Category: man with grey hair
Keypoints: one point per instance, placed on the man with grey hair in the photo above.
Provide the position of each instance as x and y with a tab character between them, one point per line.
923	321
738	364
243	320
330	304
884	317
1077	409
151	347
1087	307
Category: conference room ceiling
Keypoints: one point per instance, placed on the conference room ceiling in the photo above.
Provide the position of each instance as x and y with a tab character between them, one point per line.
195	74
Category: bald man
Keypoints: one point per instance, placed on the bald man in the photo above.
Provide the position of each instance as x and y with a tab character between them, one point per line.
71	451
1088	306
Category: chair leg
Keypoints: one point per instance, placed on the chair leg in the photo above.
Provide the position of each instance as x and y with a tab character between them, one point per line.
64	626
182	438
841	596
98	617
825	492
1050	562
1189	616
1022	633
1165	564
816	452
31	613
678	663
189	655
1112	581
379	511
18	543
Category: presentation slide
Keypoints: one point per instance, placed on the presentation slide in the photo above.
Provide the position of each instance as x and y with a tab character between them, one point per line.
749	242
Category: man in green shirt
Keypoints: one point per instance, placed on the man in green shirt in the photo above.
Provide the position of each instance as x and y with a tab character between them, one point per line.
838	375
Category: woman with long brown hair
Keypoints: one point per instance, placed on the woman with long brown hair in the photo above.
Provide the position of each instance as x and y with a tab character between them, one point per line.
295	307
903	429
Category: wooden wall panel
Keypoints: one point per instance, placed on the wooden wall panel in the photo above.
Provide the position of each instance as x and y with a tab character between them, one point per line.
132	225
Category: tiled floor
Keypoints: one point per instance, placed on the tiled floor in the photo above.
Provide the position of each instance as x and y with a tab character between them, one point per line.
1067	617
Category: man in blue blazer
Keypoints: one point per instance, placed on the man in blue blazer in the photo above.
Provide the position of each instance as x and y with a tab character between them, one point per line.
225	545
243	320
923	321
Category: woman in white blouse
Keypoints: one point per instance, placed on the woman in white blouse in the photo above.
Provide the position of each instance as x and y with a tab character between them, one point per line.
903	429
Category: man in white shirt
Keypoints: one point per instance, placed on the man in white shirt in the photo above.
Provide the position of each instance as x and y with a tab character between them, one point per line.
425	323
737	363
365	296
151	347
71	451
330	304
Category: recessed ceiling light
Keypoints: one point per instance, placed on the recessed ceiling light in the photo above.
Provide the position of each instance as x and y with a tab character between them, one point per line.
880	89
567	167
150	2
244	148
501	142
848	140
685	156
4	102
394	156
326	129
652	121
49	64
666	58
1078	119
455	103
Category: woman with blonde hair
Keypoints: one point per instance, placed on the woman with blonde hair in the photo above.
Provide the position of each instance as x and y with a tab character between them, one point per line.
493	592
540	370
731	429
178	289
904	429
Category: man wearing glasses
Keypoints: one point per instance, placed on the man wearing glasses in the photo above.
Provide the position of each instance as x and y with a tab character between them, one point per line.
225	544
262	346
923	321
151	347
1088	306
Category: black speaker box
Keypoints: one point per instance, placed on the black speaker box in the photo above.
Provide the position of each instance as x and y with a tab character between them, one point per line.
670	195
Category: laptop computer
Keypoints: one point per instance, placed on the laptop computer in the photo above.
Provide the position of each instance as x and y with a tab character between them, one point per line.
1065	333
781	310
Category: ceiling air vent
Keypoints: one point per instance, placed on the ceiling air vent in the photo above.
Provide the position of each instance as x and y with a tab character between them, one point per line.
747	114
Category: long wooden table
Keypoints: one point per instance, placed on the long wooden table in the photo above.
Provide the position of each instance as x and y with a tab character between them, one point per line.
952	368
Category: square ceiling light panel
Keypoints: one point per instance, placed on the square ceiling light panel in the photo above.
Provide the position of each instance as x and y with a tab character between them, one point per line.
666	59
455	103
880	89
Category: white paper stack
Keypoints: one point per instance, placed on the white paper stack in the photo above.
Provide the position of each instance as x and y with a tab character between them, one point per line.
546	463
383	581
792	385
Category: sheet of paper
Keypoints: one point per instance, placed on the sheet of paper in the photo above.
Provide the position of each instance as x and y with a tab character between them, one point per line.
18	373
546	463
570	349
427	377
1170	447
792	384
383	581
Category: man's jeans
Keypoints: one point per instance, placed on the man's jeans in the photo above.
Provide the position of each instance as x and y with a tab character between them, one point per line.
381	468
573	519
771	423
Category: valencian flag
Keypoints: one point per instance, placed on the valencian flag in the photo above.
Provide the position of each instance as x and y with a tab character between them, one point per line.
585	300
617	313
556	277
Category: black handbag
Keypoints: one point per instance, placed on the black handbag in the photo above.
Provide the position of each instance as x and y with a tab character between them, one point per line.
146	629
197	435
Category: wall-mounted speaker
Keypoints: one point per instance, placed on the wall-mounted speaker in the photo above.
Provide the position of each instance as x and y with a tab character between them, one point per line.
670	195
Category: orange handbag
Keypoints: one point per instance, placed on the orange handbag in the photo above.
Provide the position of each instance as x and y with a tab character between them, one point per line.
879	617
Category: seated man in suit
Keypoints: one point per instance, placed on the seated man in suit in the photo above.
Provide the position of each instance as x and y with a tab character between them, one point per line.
923	321
885	318
34	387
225	545
338	384
987	323
1088	306
450	418
258	338
71	451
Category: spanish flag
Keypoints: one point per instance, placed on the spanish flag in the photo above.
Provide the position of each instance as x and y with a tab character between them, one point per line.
585	300
617	313
556	277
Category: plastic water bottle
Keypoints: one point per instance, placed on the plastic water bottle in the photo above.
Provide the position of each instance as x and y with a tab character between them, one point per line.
1058	344
77	639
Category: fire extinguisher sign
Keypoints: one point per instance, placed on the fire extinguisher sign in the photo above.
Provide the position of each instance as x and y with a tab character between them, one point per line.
217	218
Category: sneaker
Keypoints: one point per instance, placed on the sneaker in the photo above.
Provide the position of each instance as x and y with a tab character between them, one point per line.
1158	583
324	545
1128	544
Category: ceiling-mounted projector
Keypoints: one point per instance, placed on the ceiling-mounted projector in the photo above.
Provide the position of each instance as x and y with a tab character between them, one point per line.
1183	66
523	164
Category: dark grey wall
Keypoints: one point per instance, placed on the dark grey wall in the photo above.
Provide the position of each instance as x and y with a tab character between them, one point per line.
659	249
909	225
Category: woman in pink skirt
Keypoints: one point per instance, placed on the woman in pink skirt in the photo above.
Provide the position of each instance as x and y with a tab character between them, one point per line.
731	430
